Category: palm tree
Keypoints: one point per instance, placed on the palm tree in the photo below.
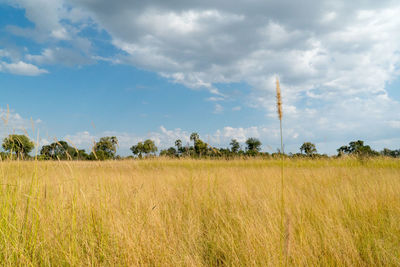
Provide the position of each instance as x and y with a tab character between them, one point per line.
194	137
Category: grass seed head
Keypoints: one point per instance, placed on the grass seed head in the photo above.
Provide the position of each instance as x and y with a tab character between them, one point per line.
278	99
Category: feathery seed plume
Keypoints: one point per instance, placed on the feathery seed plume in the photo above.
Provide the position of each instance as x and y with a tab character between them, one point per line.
278	99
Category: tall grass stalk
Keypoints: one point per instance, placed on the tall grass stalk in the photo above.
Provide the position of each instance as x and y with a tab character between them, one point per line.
284	248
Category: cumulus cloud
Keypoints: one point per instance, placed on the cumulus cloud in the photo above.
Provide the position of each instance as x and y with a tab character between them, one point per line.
12	122
313	45
62	24
49	25
10	62
268	135
218	109
334	58
78	139
241	134
60	55
4	53
165	138
321	50
394	124
21	68
162	138
45	26
203	43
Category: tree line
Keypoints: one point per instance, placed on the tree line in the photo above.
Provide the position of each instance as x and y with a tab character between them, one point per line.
20	146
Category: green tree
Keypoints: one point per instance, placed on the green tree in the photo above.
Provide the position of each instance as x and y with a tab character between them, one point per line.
194	137
149	147
57	150
178	144
224	152
46	152
343	150
106	147
63	151
308	148
170	152
81	154
390	153
235	146
137	149
4	155
77	154
357	148
200	147
253	145
145	147
18	144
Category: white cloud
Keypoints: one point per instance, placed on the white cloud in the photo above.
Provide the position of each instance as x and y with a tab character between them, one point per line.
84	139
394	124
328	17
241	134
162	138
172	135
51	24
269	136
4	53
340	51
215	98
334	58
203	43
237	108
60	28
182	23
21	68
218	109
12	122
59	55
165	138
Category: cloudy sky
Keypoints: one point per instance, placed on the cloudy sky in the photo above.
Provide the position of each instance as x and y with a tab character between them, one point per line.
81	69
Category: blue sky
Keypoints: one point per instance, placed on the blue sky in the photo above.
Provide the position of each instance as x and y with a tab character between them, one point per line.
84	69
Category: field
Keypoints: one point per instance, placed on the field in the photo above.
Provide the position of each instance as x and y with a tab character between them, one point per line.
200	213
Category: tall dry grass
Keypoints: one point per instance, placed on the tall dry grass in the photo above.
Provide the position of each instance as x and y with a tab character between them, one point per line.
199	213
284	228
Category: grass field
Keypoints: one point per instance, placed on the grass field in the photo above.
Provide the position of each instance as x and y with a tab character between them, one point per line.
199	213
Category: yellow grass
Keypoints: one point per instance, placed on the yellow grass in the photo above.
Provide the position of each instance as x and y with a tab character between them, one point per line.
199	213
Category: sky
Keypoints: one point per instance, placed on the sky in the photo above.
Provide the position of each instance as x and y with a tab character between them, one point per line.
78	70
